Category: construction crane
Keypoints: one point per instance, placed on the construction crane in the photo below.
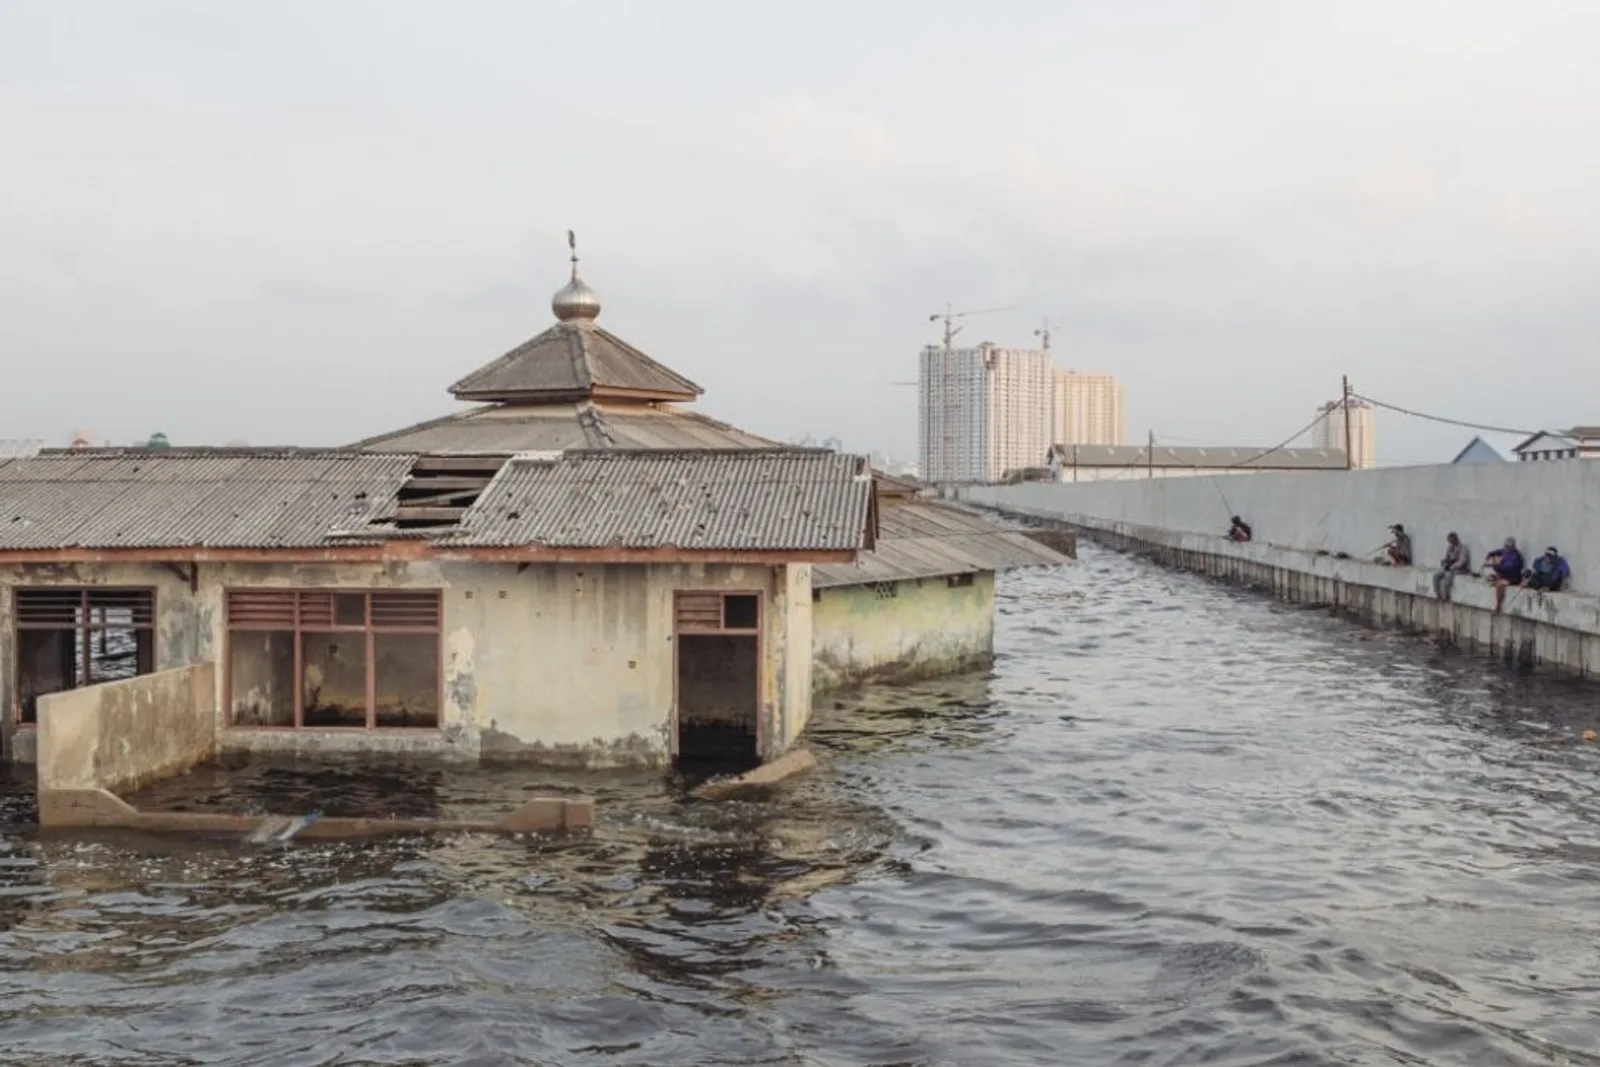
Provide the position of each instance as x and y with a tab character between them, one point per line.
1043	333
950	317
951	329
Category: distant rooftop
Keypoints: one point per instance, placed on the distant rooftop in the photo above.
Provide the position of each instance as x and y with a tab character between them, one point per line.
1206	457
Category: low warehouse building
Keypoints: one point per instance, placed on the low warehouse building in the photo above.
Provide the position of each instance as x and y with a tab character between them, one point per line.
589	608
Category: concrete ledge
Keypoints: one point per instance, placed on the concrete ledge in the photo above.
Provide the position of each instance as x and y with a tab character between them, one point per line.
797	761
1560	631
98	808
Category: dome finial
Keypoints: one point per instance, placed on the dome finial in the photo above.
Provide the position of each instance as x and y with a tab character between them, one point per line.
575	300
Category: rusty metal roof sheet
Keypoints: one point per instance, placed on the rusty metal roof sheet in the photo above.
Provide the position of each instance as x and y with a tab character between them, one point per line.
550	427
924	539
200	498
573	358
732	500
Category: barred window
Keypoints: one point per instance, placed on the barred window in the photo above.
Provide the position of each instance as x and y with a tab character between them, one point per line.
72	637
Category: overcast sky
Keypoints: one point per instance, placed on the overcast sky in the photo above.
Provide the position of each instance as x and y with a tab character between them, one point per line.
298	222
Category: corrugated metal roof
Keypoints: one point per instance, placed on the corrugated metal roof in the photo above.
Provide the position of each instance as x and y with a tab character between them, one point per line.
222	498
201	498
925	539
1206	457
550	427
735	500
568	358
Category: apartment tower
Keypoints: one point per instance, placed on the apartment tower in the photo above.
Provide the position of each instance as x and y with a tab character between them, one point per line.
1089	409
1329	432
983	411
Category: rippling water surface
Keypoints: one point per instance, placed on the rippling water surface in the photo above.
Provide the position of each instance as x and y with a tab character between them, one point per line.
1179	824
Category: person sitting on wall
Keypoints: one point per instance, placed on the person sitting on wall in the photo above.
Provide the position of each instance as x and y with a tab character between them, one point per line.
1550	572
1398	550
1504	566
1240	530
1457	560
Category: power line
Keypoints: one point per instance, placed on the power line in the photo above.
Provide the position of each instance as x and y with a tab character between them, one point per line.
1285	443
1440	418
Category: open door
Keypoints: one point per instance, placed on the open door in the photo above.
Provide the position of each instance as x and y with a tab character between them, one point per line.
718	710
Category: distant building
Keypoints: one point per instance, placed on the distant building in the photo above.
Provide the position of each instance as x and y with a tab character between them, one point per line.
982	411
17	449
1580	442
1100	463
1478	451
1088	409
1329	432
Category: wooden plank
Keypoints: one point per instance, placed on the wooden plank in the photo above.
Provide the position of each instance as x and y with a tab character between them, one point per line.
490	464
430	483
427	514
412	497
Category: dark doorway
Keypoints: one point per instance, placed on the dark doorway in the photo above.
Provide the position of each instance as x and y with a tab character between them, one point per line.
719	678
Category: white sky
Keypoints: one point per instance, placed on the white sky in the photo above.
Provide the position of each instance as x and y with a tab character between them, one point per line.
297	222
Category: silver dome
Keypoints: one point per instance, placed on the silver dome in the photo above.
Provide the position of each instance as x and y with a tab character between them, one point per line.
575	300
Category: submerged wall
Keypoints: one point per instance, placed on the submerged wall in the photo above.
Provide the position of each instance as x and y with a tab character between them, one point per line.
1560	630
565	664
124	735
901	631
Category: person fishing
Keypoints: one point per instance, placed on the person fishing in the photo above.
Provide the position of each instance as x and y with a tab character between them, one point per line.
1457	560
1550	572
1398	550
1239	530
1504	566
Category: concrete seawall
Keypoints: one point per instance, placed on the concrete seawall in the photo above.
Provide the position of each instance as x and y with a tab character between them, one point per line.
1558	631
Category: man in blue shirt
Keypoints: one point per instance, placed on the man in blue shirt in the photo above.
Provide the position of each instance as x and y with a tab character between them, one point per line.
1550	572
1505	568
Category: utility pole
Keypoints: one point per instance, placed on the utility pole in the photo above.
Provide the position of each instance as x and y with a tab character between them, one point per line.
1349	444
1150	456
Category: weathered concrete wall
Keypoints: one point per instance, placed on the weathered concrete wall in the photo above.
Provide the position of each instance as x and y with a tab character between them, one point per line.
926	628
1552	503
124	735
1557	630
561	664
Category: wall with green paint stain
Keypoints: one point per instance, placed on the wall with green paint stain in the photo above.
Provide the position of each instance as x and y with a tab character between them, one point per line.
901	631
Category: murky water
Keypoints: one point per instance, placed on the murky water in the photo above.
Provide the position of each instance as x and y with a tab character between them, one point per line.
1180	824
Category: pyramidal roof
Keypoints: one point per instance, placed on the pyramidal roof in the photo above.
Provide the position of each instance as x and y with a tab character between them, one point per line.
574	360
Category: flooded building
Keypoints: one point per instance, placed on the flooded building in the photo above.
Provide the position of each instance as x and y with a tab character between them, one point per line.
585	607
578	569
921	603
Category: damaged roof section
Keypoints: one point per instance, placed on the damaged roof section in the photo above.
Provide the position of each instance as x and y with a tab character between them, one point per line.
186	498
737	499
698	501
923	539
